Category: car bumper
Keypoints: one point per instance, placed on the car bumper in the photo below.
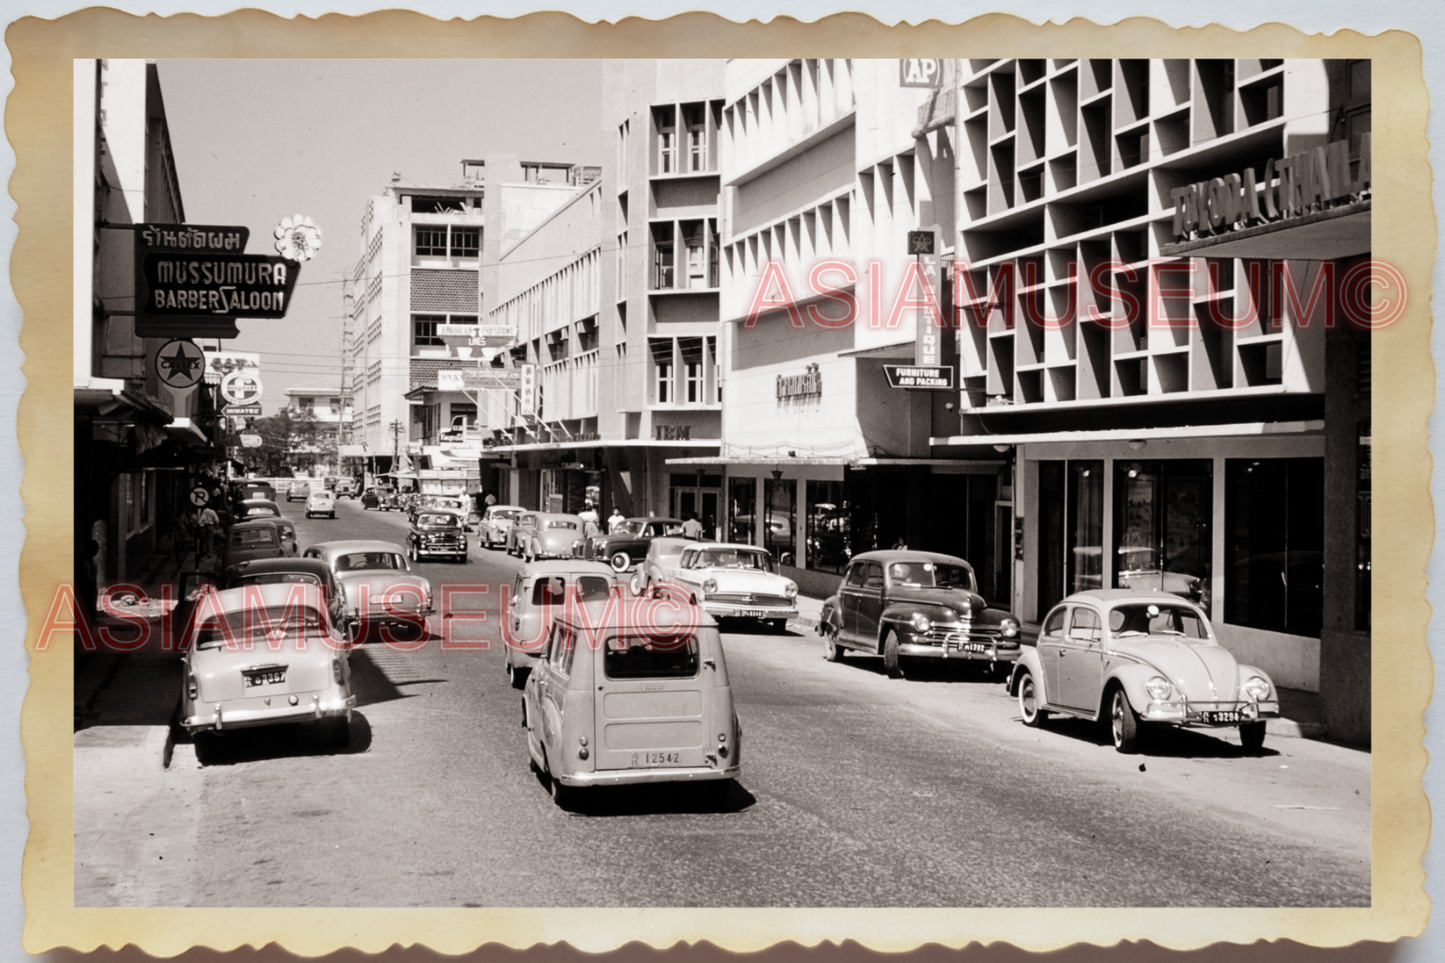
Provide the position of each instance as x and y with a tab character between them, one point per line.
220	718
424	550
736	610
633	777
1209	715
981	650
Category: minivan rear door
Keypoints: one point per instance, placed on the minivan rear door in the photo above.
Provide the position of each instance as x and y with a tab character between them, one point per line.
651	709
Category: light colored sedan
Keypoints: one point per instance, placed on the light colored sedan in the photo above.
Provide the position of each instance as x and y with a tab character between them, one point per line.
264	655
321	502
537	593
663	554
551	536
1137	662
733	581
496	523
380	587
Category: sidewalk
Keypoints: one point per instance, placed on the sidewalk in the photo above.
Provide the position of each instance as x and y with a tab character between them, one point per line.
1301	714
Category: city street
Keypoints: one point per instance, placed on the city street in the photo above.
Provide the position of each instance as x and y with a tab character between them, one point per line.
856	790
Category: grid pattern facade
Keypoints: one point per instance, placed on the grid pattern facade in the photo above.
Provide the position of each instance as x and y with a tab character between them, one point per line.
444	291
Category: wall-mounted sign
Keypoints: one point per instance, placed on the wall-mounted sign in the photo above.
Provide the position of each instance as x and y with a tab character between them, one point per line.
244	411
250	441
240	388
217	285
479	378
938	378
527	390
457	331
182	241
809	384
672	432
920	72
223	362
920	242
1291	186
297	238
199	496
180	364
192	237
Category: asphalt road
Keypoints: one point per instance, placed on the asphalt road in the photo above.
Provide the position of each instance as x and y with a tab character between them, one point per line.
857	790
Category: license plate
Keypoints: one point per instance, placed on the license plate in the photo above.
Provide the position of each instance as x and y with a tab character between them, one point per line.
974	647
378	599
641	760
752	613
1231	716
266	677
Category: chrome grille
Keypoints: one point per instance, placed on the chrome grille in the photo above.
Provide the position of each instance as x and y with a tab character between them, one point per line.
743	598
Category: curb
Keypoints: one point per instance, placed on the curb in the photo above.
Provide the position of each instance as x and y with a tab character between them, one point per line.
155	742
1291	729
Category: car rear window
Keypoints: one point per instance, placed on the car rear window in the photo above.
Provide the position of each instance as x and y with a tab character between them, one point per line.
248	537
553	589
639	656
561	523
275	578
366	561
260	510
258	624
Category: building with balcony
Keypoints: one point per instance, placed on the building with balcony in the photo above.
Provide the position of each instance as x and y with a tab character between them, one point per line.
428	261
1153	276
615	300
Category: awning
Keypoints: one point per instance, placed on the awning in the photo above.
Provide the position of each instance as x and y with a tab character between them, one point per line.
783	462
186	430
1320	236
607	443
1245	430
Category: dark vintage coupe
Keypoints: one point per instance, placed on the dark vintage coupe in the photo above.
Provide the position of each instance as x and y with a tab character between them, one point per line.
436	534
906	605
627	545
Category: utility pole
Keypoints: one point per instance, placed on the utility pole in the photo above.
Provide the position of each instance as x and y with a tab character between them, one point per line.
395	428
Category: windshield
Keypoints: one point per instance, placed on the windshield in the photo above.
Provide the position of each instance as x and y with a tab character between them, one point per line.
261	510
553	590
631	527
437	519
369	561
274	578
733	558
258	624
1154	618
924	574
506	513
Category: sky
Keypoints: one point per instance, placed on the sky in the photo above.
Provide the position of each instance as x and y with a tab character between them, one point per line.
259	140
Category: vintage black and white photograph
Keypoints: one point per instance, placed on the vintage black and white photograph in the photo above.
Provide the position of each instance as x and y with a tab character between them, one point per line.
810	482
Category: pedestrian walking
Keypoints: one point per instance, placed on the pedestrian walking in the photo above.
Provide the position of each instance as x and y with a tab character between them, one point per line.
692	528
491	499
208	521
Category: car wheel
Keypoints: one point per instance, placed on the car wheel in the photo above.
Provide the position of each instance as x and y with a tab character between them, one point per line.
1033	716
338	732
564	796
1251	736
778	625
892	661
1123	722
620	561
411	552
517	676
832	651
638	584
205	745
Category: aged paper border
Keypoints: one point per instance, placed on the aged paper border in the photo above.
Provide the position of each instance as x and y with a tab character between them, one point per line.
36	123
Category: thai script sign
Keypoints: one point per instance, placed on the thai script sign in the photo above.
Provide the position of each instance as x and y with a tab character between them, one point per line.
809	384
672	432
193	237
217	285
527	390
914	376
1290	187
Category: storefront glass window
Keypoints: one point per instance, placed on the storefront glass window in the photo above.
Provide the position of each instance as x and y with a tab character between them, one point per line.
1163	524
742	503
1274	511
1086	526
780	506
829	547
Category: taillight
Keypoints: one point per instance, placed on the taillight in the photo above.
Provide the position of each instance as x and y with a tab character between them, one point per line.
191	687
336	669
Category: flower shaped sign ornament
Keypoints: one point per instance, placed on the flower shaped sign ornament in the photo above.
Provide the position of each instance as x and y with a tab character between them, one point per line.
297	238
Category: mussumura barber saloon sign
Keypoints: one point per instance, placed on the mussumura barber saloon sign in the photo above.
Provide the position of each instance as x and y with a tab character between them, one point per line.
231	285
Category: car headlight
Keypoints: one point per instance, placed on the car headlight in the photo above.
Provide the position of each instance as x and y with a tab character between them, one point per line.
921	623
1158	688
790	590
1008	628
710	586
1257	688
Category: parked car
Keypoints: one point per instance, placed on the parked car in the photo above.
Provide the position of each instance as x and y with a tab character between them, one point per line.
537	593
380	587
436	533
297	491
321	502
522	527
265	656
552	536
1139	661
737	582
495	523
643	699
345	487
290	571
907	605
252	488
628	545
257	538
257	508
380	498
662	557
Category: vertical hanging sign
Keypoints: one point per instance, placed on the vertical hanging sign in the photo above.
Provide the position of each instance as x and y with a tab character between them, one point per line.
527	391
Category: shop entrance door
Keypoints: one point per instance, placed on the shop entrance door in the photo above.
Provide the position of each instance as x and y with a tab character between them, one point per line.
699	495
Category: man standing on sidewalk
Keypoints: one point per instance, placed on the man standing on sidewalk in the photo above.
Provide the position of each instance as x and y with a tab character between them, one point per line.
208	521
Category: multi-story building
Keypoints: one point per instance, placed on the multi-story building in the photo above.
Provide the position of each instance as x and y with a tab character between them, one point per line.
615	300
324	402
428	260
1152	258
137	440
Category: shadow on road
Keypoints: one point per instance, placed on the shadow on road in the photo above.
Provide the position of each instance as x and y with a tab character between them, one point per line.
1169	742
279	742
932	670
653	799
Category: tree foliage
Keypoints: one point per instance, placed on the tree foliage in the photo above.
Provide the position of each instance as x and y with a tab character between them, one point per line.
287	438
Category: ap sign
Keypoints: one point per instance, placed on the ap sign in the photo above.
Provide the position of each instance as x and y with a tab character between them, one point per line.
925	72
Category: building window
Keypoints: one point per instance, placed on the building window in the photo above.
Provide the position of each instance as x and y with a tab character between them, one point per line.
666	122
742	505
695	116
306	405
335	405
662	257
829	547
431	242
692	370
1163	520
780	506
424	330
1274	514
664	390
466	242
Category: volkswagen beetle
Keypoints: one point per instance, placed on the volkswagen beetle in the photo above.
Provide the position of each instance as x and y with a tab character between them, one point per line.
906	605
1139	661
